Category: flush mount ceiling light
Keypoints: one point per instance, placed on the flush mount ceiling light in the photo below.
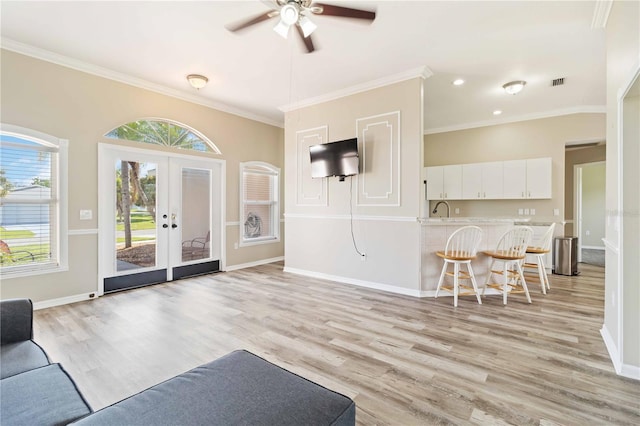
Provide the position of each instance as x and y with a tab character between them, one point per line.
497	112
514	87
197	81
458	82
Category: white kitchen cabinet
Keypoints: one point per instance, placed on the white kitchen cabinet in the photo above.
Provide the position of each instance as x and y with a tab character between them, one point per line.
444	182
498	180
482	181
492	180
435	182
539	178
472	181
514	174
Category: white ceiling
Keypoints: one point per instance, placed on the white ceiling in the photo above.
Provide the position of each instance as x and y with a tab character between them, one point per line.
256	71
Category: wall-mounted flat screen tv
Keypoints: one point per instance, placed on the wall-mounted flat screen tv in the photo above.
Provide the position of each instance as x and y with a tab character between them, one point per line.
335	159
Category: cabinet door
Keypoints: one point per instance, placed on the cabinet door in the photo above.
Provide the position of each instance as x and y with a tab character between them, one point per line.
492	180
514	179
472	181
452	179
435	183
539	178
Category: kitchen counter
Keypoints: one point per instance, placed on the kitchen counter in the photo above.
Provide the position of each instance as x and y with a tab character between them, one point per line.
468	220
435	232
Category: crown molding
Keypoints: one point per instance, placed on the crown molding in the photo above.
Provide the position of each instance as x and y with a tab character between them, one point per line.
65	61
421	72
602	109
601	14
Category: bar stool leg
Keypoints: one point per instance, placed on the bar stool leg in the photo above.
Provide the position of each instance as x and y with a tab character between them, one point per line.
444	271
542	274
456	269
505	287
524	283
473	282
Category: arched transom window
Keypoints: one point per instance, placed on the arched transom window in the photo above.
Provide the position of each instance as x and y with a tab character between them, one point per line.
165	133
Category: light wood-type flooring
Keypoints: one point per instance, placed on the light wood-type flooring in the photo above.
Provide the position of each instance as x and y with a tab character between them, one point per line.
404	360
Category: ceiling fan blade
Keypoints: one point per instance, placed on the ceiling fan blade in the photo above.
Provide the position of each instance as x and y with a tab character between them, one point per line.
345	12
308	42
255	20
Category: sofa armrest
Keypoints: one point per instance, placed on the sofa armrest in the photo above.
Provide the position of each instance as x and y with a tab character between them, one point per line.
16	320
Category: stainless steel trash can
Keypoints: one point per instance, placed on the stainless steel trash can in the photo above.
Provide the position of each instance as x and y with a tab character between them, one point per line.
565	256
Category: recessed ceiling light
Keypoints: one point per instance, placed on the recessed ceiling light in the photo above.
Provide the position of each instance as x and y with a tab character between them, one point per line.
458	82
497	112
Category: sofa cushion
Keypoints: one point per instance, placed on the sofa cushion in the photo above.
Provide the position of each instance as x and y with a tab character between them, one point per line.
44	396
20	357
237	389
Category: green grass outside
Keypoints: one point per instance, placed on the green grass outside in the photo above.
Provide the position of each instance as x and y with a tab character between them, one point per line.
20	254
135	239
6	234
139	221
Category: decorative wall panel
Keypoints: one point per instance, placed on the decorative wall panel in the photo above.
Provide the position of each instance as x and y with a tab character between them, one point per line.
309	191
379	148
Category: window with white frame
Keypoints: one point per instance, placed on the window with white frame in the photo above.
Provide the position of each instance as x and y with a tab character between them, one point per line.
259	203
33	185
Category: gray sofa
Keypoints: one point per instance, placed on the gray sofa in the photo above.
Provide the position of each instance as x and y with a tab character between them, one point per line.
237	389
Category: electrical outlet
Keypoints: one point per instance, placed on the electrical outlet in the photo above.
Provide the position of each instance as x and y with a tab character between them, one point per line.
235	246
526	212
520	212
587	232
556	212
533	212
457	210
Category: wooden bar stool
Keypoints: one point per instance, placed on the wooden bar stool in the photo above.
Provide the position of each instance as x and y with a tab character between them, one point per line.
461	249
510	252
539	253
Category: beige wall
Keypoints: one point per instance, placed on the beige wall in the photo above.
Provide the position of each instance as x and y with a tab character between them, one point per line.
622	299
525	139
81	107
593	203
319	239
573	158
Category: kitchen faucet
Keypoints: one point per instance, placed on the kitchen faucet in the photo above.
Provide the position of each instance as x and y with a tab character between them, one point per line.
435	209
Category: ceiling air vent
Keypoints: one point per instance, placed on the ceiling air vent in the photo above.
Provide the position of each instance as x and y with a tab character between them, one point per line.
557	82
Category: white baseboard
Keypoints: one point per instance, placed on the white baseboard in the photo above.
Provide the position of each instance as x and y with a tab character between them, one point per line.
625	370
610	344
630	371
64	300
359	283
251	264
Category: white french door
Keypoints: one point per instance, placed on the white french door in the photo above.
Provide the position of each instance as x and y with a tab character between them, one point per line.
161	216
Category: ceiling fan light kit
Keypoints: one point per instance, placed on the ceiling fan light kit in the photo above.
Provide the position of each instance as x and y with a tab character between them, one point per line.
514	87
294	13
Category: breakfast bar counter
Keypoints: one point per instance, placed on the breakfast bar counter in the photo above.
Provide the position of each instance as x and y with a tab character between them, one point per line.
434	235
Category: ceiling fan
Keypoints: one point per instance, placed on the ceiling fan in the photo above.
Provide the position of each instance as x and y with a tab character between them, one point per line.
295	13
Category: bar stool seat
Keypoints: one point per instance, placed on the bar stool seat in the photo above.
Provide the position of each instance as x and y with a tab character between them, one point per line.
461	249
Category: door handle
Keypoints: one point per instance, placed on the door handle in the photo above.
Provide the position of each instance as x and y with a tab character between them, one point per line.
174	226
164	225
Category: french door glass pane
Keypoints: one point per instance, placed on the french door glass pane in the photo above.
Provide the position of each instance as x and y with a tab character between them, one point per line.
196	214
135	215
